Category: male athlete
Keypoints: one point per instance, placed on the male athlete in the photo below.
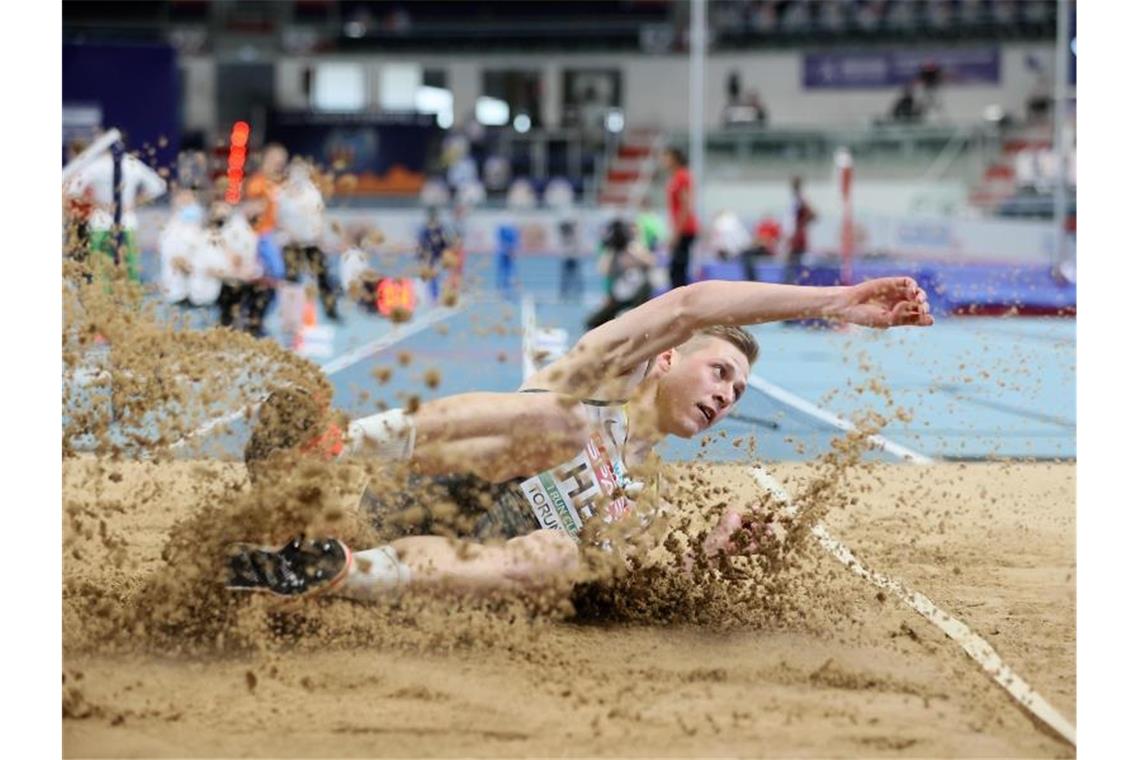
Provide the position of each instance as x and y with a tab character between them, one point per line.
549	467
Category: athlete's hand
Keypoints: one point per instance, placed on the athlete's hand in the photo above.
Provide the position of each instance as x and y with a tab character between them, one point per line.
885	302
741	533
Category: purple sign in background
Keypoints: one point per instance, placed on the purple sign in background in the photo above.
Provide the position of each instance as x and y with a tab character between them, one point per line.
894	68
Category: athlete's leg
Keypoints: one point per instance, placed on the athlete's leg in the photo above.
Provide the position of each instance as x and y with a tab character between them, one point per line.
432	564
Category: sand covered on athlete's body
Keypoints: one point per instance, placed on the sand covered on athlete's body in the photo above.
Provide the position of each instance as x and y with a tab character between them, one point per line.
817	664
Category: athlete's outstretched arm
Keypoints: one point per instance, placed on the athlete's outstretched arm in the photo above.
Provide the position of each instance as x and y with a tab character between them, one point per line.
619	346
497	436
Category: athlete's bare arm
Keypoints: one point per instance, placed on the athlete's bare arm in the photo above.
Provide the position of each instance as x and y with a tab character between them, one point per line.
619	347
496	436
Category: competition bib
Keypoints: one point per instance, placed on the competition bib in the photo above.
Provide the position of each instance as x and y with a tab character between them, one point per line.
592	483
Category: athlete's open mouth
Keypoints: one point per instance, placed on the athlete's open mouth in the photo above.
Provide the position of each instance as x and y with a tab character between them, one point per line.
707	412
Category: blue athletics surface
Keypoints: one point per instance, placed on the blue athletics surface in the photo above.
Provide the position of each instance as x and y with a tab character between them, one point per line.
967	388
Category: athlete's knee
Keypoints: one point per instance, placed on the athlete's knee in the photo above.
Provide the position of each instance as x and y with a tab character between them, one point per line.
544	556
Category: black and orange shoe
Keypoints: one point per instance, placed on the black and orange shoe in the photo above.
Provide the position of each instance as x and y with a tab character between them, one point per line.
302	567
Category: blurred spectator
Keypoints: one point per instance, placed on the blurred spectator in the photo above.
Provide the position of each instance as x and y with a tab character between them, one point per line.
521	195
833	17
262	188
679	192
178	246
193	170
1004	12
628	265
301	212
930	98
434	241
77	210
243	298
570	247
359	279
742	109
1039	103
462	171
901	17
650	226
470	194
939	14
870	15
559	193
508	243
801	215
95	184
496	173
906	109
728	236
434	193
765	241
762	17
796	17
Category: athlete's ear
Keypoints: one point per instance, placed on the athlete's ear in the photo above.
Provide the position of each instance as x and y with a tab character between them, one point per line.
664	361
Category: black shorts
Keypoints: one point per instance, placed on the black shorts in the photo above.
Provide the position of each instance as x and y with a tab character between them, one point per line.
462	506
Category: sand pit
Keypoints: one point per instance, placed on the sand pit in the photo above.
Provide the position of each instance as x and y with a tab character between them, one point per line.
830	668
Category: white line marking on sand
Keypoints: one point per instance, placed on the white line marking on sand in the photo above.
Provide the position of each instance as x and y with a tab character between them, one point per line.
803	405
336	364
974	645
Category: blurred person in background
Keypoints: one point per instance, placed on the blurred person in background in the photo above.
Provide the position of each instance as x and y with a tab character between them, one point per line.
359	279
800	216
570	283
434	241
728	237
650	225
765	240
178	245
95	184
508	244
628	265
679	193
77	213
244	297
907	109
262	189
301	227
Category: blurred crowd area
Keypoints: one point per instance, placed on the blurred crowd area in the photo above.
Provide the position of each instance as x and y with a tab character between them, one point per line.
653	26
251	129
410	102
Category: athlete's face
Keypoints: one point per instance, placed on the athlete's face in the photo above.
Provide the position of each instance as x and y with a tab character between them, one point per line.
698	385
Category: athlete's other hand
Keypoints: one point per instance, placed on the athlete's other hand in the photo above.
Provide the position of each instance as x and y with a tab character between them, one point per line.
885	302
741	533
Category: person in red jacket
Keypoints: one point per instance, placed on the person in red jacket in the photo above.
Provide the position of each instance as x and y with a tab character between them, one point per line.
801	215
682	215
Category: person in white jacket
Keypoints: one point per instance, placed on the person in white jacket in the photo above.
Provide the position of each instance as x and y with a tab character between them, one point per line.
96	183
244	297
301	223
176	248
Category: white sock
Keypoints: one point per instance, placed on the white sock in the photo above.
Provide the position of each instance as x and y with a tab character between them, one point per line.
374	574
389	435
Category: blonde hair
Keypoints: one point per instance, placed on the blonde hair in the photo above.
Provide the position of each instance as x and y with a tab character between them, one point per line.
737	336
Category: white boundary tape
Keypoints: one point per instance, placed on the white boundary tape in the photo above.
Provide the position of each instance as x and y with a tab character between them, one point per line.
801	404
974	645
344	361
